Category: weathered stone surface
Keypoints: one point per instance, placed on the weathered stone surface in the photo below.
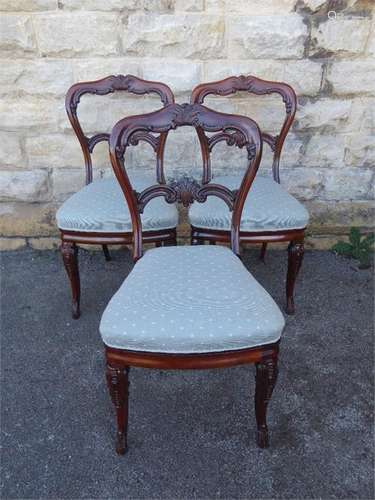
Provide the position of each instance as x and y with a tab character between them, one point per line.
259	37
37	77
182	154
180	35
10	150
214	6
352	77
16	34
27	5
259	7
54	150
268	111
340	35
303	75
337	217
24	185
325	151
118	5
360	150
18	114
313	5
100	113
66	181
27	219
348	184
7	244
189	5
44	243
371	41
304	183
181	76
97	67
330	114
327	160
91	33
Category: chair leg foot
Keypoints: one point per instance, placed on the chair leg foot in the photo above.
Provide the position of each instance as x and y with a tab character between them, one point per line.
117	381
69	252
295	257
266	376
263	252
107	255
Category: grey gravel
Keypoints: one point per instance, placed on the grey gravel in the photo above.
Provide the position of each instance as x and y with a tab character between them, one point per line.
191	434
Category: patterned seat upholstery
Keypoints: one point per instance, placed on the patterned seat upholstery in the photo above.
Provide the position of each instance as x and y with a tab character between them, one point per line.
190	299
268	207
101	206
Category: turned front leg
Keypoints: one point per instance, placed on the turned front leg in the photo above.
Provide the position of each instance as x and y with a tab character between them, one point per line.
266	376
295	257
117	380
69	252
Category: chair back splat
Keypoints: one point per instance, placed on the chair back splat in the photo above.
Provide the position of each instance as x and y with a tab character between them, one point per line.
256	86
108	85
152	128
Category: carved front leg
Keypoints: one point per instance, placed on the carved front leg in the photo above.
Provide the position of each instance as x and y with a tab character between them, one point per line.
117	380
295	257
266	376
69	252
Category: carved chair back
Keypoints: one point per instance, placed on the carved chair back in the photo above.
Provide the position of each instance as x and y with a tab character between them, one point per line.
236	130
256	86
108	85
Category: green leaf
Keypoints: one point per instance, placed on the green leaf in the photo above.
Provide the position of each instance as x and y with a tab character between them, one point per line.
343	248
369	240
364	260
355	236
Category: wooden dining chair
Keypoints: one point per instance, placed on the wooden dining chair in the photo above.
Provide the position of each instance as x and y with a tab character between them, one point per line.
270	213
96	214
189	307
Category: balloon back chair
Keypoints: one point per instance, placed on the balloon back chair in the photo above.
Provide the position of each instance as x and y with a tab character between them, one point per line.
189	307
96	214
270	213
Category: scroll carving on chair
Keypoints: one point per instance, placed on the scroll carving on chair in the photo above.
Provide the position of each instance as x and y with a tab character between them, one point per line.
148	321
95	214
270	213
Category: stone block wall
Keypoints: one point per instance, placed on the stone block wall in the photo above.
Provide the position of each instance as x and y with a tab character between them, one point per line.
324	48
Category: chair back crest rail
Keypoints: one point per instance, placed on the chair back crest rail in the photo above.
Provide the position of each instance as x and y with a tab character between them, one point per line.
235	130
256	86
108	85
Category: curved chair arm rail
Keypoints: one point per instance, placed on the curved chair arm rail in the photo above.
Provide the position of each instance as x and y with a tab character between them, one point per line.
108	85
234	129
256	86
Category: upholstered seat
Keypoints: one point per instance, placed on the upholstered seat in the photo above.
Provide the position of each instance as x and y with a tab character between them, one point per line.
101	206
268	207
190	299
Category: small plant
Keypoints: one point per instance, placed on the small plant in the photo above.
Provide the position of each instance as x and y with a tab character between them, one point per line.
359	247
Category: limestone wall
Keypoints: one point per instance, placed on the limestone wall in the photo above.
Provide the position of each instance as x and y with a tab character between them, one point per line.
46	45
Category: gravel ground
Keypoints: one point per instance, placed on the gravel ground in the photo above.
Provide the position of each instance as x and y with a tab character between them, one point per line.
191	434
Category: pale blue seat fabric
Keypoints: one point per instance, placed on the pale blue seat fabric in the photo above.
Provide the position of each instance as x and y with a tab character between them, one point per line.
268	207
190	299
101	206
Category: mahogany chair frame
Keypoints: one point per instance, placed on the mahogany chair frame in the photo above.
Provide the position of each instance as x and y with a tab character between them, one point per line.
70	239
242	132
295	237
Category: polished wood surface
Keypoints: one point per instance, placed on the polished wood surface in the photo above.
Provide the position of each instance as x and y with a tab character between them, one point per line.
104	86
235	131
257	86
243	132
